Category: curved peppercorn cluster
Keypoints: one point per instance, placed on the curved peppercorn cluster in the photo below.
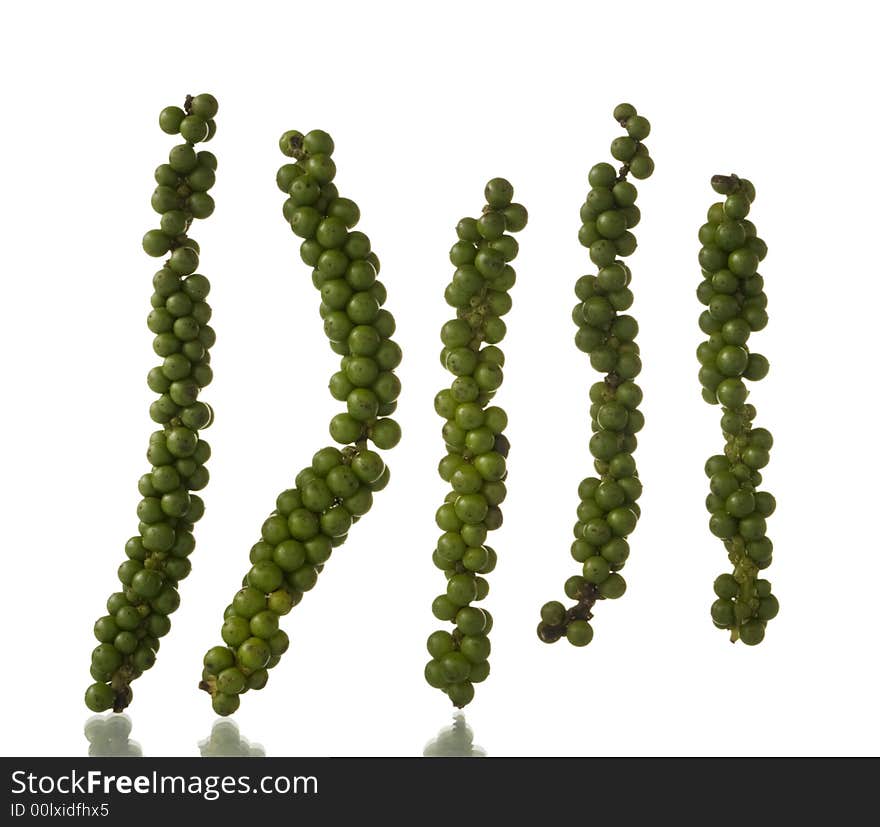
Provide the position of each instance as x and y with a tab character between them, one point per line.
476	461
137	616
608	510
733	293
337	489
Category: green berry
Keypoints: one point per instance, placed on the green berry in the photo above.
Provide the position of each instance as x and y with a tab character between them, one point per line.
623	148
225	704
638	128
183	159
476	648
290	143
231	681
553	613
193	129
641	167
613	587
726	586
456	667
723	613
218	659
752	632
204	106
461	693
253	653
579	633
440	643
499	193
156	243
170	119
623	112
99	697
768	607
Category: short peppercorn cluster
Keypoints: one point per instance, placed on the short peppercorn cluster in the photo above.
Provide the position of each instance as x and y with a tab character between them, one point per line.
336	490
158	555
608	509
733	292
475	464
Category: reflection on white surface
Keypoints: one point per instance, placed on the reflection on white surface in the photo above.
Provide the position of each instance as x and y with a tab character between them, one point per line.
226	741
456	741
108	737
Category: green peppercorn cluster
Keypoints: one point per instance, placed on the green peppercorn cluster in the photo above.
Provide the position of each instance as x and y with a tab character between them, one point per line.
158	555
736	306
475	464
608	509
336	490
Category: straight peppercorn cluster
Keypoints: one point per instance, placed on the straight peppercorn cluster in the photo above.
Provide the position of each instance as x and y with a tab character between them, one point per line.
158	555
336	490
608	508
475	464
733	292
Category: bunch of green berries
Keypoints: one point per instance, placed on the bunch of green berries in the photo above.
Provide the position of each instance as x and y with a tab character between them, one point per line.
336	490
608	509
732	291
158	556
475	464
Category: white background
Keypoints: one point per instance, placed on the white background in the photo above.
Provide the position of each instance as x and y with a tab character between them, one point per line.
426	102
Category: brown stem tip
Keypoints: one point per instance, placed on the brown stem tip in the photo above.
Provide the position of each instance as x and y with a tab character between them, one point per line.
122	699
726	184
